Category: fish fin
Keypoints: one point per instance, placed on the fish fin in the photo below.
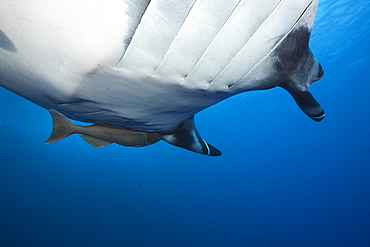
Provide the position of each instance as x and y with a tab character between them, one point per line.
102	125
307	103
187	136
62	127
96	143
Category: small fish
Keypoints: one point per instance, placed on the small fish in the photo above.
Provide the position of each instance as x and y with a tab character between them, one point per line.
99	134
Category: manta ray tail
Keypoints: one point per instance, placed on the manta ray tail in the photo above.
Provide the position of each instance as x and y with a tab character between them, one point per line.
62	127
187	136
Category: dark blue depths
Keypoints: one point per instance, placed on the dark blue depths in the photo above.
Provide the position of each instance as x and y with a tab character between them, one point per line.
283	180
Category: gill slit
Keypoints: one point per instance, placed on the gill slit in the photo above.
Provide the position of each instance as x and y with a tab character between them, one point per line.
276	45
178	31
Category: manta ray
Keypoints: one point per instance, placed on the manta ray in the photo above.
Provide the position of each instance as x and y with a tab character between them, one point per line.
141	69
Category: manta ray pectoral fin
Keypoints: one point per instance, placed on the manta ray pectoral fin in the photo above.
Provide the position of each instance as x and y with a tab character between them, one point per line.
187	136
307	103
96	143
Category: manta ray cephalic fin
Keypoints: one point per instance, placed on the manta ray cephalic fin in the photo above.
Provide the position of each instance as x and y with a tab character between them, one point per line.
187	136
307	103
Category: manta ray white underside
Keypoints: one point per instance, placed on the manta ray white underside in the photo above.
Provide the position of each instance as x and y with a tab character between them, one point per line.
151	65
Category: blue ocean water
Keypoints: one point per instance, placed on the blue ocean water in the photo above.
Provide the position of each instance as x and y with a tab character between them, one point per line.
283	180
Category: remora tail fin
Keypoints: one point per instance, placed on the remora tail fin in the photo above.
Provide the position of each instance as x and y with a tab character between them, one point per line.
62	127
187	136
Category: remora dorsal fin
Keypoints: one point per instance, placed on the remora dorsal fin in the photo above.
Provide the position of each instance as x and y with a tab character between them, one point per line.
96	143
62	127
187	136
102	125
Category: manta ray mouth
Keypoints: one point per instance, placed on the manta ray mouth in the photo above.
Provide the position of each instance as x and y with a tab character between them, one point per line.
321	73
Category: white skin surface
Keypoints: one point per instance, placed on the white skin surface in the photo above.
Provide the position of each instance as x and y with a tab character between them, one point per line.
71	55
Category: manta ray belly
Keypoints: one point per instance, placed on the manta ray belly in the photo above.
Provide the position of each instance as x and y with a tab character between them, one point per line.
144	65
